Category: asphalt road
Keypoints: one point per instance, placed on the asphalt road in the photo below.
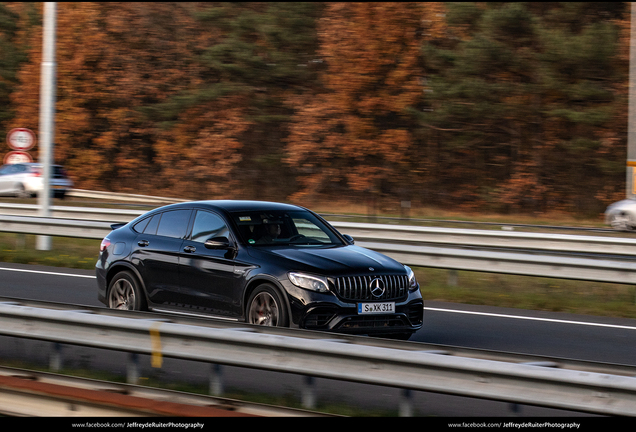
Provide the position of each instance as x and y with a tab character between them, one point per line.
513	330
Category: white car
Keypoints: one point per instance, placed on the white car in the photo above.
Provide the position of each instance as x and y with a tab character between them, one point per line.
25	180
621	215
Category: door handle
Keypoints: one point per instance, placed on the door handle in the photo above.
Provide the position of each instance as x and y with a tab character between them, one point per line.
189	249
143	243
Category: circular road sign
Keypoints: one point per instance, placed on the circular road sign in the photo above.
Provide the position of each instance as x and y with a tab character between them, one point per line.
15	157
21	139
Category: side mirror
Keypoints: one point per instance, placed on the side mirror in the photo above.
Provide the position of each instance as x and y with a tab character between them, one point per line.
222	243
218	243
348	238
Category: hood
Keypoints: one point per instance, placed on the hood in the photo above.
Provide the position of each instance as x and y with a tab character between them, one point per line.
628	202
332	261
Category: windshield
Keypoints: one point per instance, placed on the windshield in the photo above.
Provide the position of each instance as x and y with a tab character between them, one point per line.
296	227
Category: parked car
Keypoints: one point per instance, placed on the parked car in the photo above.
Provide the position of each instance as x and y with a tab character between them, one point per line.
262	263
621	215
25	180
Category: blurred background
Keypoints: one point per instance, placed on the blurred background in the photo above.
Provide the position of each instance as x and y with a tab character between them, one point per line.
497	107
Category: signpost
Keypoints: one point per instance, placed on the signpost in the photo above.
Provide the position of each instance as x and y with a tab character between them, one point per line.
15	157
21	139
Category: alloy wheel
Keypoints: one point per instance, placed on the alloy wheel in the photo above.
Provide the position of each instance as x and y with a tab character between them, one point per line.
122	295
264	310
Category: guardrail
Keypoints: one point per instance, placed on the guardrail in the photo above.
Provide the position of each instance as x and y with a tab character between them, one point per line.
69	212
530	254
390	233
81	193
55	226
407	369
26	393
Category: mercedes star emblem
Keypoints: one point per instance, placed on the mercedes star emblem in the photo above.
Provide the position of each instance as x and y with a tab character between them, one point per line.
377	288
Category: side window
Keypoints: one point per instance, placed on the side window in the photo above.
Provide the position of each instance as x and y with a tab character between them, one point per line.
152	225
208	225
141	225
9	169
173	223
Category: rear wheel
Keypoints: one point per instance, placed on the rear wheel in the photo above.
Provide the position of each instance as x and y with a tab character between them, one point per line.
125	293
265	307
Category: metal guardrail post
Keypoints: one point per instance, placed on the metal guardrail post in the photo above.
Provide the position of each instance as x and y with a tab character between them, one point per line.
453	278
308	397
55	358
216	380
132	368
406	403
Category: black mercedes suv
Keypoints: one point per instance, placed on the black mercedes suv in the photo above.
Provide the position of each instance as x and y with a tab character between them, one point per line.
259	262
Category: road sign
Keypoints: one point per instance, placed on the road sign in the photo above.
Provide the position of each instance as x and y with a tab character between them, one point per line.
21	139
15	157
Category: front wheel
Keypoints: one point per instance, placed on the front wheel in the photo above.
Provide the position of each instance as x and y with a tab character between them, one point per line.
21	192
620	221
265	307
124	292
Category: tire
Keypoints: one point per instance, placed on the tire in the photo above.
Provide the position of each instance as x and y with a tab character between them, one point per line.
124	293
266	307
21	191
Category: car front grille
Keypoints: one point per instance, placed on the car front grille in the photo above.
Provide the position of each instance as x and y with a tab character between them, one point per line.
358	288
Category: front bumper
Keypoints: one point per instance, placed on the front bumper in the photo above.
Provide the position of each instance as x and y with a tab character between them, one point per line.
407	318
325	311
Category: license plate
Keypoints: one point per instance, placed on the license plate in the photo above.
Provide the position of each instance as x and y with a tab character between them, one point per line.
373	308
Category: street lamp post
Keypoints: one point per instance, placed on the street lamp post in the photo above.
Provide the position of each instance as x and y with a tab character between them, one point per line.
47	115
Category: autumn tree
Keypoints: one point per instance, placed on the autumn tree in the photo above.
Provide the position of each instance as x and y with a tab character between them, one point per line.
521	100
226	131
112	58
503	106
355	133
12	55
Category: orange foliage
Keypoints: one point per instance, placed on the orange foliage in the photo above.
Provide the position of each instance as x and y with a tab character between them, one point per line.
355	134
108	65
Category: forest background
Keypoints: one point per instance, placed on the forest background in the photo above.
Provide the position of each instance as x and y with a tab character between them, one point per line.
499	107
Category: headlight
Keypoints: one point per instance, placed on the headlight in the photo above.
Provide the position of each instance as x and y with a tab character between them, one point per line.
412	281
313	283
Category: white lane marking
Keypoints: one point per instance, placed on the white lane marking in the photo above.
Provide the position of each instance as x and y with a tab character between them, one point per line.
427	308
533	318
48	273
